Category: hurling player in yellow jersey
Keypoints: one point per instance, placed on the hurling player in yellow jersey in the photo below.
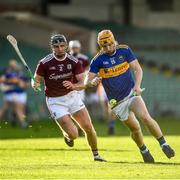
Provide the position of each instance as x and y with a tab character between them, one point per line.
113	64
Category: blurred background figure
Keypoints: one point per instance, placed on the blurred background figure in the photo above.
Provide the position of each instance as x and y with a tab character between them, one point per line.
75	50
13	86
106	110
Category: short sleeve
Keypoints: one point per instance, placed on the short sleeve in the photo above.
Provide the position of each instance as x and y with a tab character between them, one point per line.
130	56
78	69
40	69
94	66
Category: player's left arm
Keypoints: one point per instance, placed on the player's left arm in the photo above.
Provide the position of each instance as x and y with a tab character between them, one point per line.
77	86
137	70
83	83
90	80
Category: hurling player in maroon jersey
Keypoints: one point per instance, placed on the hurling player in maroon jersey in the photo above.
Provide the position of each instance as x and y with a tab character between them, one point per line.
56	69
75	50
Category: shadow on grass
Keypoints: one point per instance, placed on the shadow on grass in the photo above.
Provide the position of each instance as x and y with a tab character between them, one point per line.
156	163
64	149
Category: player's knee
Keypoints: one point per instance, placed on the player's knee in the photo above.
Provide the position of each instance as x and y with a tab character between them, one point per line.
73	134
146	118
136	129
88	128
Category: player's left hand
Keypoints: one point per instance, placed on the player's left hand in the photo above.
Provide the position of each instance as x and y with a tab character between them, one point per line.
68	84
137	90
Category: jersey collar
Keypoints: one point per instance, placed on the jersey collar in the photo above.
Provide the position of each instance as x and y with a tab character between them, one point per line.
60	59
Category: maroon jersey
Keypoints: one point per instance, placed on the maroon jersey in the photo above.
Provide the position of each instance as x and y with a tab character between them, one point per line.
83	60
55	72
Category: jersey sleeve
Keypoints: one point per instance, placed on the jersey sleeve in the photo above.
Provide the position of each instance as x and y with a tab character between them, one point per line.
130	56
94	66
78	69
40	69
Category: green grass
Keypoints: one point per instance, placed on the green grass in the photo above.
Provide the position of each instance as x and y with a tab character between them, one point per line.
48	129
51	159
39	152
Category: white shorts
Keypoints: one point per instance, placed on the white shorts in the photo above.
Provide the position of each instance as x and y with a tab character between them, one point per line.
122	110
16	97
63	105
82	94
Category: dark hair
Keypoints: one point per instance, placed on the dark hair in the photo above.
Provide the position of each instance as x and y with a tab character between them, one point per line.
58	38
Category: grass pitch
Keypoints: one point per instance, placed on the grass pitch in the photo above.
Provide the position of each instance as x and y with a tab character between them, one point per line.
52	159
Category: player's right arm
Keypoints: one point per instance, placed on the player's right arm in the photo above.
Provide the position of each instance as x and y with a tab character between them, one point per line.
38	76
92	79
36	85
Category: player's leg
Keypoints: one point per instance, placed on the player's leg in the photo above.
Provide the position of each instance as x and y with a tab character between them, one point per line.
136	134
82	96
59	110
19	110
107	113
4	109
83	119
106	110
19	102
68	129
111	120
139	108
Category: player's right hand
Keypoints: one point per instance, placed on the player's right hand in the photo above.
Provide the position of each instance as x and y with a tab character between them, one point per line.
35	85
68	85
96	81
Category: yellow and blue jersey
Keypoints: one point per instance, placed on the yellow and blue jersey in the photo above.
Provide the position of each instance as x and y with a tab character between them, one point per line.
114	69
14	88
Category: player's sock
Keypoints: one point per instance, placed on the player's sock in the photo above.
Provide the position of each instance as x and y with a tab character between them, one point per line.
143	149
95	152
161	141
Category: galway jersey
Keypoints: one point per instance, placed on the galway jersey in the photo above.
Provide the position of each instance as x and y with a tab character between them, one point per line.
114	69
56	71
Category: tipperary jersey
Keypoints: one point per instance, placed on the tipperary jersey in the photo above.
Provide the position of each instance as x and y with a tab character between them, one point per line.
114	69
12	87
